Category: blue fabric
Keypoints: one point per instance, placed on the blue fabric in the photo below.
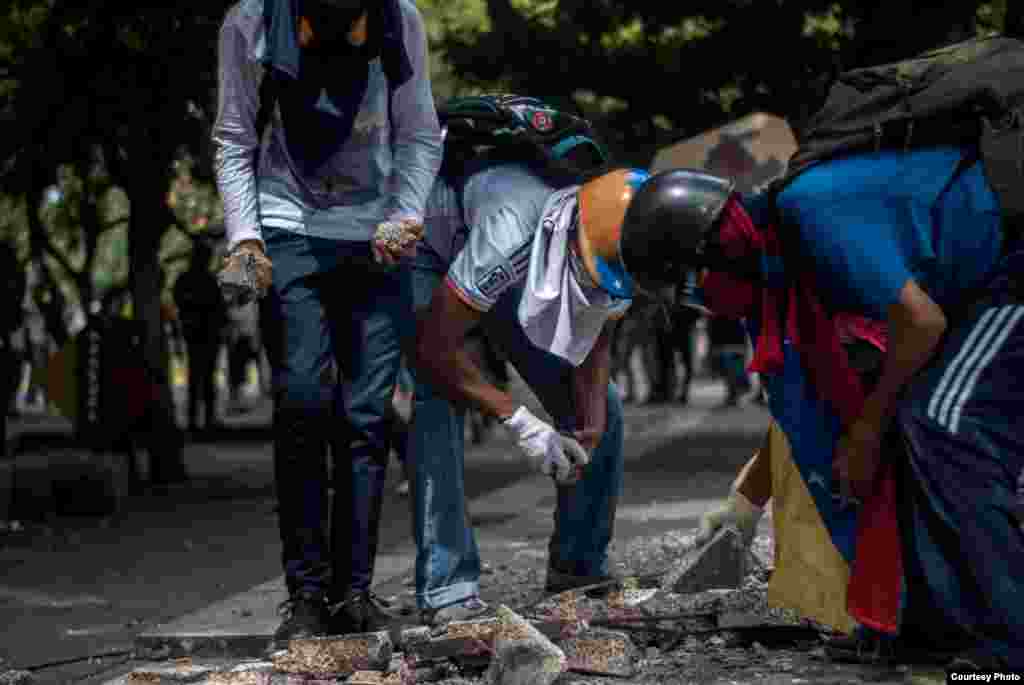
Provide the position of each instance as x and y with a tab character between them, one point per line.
813	430
964	547
319	98
871	222
318	328
447	559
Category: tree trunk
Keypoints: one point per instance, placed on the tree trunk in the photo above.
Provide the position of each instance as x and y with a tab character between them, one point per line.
1014	21
147	224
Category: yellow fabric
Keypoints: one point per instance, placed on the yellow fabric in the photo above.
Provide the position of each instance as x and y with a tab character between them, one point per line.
810	576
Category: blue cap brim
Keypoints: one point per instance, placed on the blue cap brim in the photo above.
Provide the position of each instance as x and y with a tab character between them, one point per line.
613	278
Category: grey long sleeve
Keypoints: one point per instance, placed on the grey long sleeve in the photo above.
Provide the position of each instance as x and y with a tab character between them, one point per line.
234	132
385	170
417	133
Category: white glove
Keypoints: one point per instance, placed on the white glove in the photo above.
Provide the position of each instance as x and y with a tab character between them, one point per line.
737	511
550	452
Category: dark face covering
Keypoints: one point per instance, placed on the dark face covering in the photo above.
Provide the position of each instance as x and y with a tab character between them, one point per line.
320	90
331	21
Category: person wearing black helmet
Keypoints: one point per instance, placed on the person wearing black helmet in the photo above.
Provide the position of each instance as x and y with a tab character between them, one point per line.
913	239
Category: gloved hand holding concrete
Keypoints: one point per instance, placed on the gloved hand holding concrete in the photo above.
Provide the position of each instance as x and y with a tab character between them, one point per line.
737	511
550	452
246	274
396	239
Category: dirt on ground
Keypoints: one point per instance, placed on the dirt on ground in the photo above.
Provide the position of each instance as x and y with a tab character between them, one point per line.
784	649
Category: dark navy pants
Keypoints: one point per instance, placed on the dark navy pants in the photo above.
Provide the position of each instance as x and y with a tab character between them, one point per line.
334	325
963	543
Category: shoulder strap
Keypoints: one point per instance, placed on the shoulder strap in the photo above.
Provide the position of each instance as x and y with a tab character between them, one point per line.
267	102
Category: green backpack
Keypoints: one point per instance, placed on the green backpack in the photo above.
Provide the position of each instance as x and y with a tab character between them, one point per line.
488	127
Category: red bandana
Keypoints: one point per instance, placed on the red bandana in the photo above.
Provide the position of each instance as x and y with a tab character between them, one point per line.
816	335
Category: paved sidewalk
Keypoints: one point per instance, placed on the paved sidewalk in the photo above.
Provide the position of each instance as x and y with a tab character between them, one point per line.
241	626
83	586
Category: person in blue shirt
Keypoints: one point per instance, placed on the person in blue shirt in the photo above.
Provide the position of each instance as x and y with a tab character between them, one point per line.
326	129
914	239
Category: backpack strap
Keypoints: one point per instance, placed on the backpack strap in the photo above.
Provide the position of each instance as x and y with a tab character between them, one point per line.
268	101
1002	149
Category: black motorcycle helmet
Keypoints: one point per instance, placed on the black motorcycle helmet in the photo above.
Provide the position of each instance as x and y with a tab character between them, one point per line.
668	228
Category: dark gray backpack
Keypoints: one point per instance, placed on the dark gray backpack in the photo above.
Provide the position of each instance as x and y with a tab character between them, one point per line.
968	93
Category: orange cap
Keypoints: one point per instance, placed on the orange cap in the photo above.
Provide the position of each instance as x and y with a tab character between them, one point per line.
603	203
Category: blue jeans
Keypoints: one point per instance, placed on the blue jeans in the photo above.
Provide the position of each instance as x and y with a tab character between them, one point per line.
334	323
447	558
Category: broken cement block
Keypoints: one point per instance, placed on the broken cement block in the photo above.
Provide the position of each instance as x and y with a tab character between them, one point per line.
721	563
458	639
177	671
602	652
336	655
16	678
523	655
413	636
239	678
668	603
374	678
139	678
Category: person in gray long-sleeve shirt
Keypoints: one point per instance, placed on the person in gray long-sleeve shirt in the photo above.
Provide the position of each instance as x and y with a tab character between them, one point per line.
352	140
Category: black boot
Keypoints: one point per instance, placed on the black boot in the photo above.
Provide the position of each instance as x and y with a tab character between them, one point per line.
360	612
304	616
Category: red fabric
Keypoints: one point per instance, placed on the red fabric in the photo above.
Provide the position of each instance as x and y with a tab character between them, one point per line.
873	594
876	577
808	326
853	327
728	295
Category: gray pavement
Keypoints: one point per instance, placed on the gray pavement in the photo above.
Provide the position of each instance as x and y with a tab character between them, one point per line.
198	564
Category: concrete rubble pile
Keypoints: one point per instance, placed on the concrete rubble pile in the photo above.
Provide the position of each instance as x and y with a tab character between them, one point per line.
714	596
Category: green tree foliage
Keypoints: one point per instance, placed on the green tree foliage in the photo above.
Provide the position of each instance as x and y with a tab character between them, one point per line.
650	72
123	88
100	95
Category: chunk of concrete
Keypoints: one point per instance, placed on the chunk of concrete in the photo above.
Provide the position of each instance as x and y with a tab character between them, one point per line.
602	652
375	678
336	655
177	671
16	678
234	677
458	639
668	603
721	563
522	654
463	639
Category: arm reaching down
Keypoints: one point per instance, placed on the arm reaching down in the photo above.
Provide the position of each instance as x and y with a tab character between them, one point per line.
590	390
916	327
441	354
748	496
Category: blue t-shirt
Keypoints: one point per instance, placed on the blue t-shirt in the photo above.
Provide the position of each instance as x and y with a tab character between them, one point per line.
871	222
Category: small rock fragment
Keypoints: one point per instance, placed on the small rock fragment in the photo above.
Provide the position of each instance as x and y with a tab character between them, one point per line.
602	652
719	564
336	655
523	655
